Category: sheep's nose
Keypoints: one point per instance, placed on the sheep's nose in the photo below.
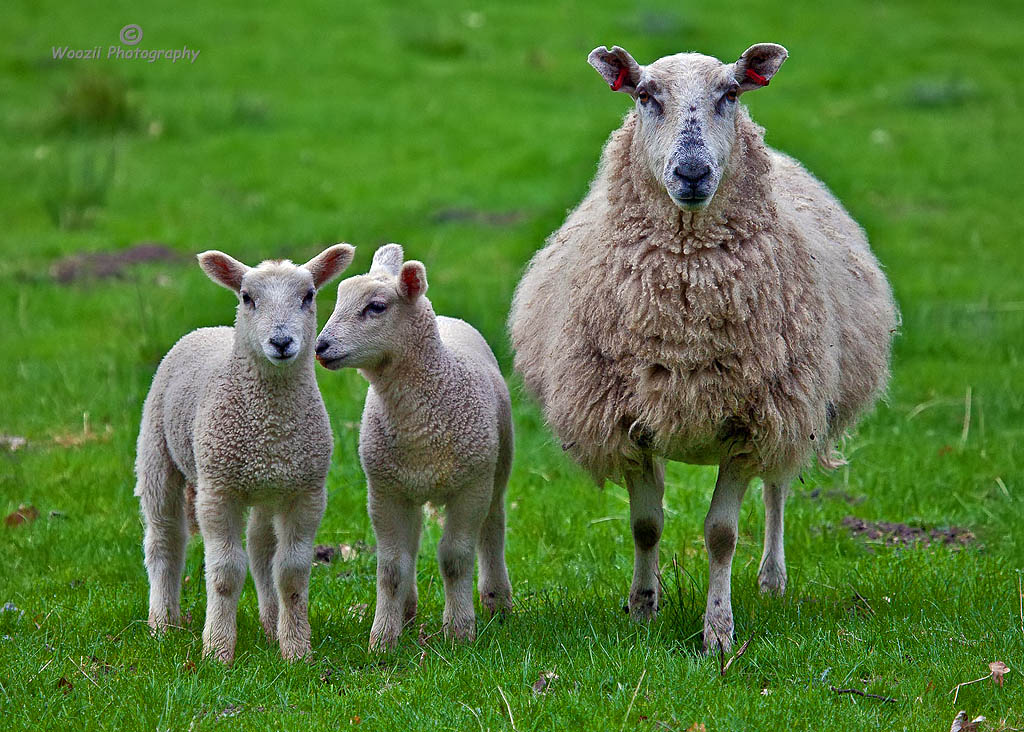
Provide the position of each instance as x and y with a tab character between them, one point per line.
281	343
692	173
321	346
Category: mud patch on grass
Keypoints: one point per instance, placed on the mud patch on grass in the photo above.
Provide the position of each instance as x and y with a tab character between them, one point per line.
107	265
327	553
475	216
888	533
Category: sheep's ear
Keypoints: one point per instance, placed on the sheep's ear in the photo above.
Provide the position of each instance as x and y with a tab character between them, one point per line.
222	269
758	64
617	67
412	280
330	263
388	259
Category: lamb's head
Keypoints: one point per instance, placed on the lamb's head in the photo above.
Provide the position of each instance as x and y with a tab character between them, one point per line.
276	314
686	107
374	318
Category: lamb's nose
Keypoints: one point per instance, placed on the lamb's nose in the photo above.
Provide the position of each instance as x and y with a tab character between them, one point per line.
692	172
321	346
281	343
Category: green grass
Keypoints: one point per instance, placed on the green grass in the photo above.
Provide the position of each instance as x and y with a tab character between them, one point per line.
366	122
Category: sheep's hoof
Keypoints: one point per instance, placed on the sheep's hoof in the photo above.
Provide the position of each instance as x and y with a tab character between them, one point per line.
382	642
772	580
462	630
497	600
643	605
160	623
269	628
295	651
717	634
224	655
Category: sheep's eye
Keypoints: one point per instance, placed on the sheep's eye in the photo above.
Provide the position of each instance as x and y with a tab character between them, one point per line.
731	95
375	307
643	97
308	299
248	300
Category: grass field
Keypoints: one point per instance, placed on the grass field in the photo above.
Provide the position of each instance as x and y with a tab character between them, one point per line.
466	134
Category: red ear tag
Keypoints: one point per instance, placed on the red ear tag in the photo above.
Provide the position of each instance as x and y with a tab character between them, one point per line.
756	77
621	78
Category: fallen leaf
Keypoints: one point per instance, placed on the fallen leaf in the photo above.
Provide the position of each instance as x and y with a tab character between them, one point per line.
960	723
64	685
544	680
697	727
24	515
355	719
189	666
358	610
348	552
13	442
998	669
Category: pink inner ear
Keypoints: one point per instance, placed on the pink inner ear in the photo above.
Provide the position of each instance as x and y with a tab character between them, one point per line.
225	272
411	280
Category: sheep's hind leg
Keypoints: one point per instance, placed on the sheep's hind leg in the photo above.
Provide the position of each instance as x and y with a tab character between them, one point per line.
646	486
396	524
721	528
494	586
296	529
772	574
220	521
161	491
261	545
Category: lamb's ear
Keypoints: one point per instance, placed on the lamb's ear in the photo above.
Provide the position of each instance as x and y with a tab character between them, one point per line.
758	64
330	263
388	259
222	269
617	67
412	280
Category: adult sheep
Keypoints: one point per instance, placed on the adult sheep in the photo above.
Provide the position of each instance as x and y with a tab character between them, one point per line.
709	302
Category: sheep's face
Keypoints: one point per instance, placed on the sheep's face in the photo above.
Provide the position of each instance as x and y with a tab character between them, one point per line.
372	318
276	315
686	108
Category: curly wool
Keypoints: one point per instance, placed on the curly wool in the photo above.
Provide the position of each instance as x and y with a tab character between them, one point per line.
759	327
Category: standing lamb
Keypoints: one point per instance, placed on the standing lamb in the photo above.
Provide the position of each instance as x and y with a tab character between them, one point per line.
234	419
437	426
710	302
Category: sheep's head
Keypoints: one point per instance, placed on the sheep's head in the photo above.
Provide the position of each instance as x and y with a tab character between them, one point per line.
374	312
277	300
686	110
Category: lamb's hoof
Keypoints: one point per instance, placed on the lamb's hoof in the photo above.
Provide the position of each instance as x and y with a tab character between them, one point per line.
382	641
462	630
270	628
217	653
295	651
772	580
496	600
717	634
643	605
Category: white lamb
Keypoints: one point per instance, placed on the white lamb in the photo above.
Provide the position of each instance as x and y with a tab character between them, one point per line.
234	419
709	301
437	427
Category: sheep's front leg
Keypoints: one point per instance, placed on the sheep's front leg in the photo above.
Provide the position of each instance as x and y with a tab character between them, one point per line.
721	528
494	586
772	574
261	545
464	516
296	527
220	521
396	524
646	486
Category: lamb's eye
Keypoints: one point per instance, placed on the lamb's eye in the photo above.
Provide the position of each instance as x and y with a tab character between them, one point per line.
308	299
248	300
643	97
731	95
375	307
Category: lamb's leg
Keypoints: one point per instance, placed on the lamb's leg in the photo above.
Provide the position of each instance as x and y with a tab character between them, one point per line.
464	515
721	528
261	545
220	521
396	524
296	529
646	486
772	575
161	491
494	586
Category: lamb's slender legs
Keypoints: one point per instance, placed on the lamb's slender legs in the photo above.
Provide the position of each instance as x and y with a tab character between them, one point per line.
261	544
220	521
464	516
396	524
646	486
161	491
296	527
721	528
772	575
493	585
